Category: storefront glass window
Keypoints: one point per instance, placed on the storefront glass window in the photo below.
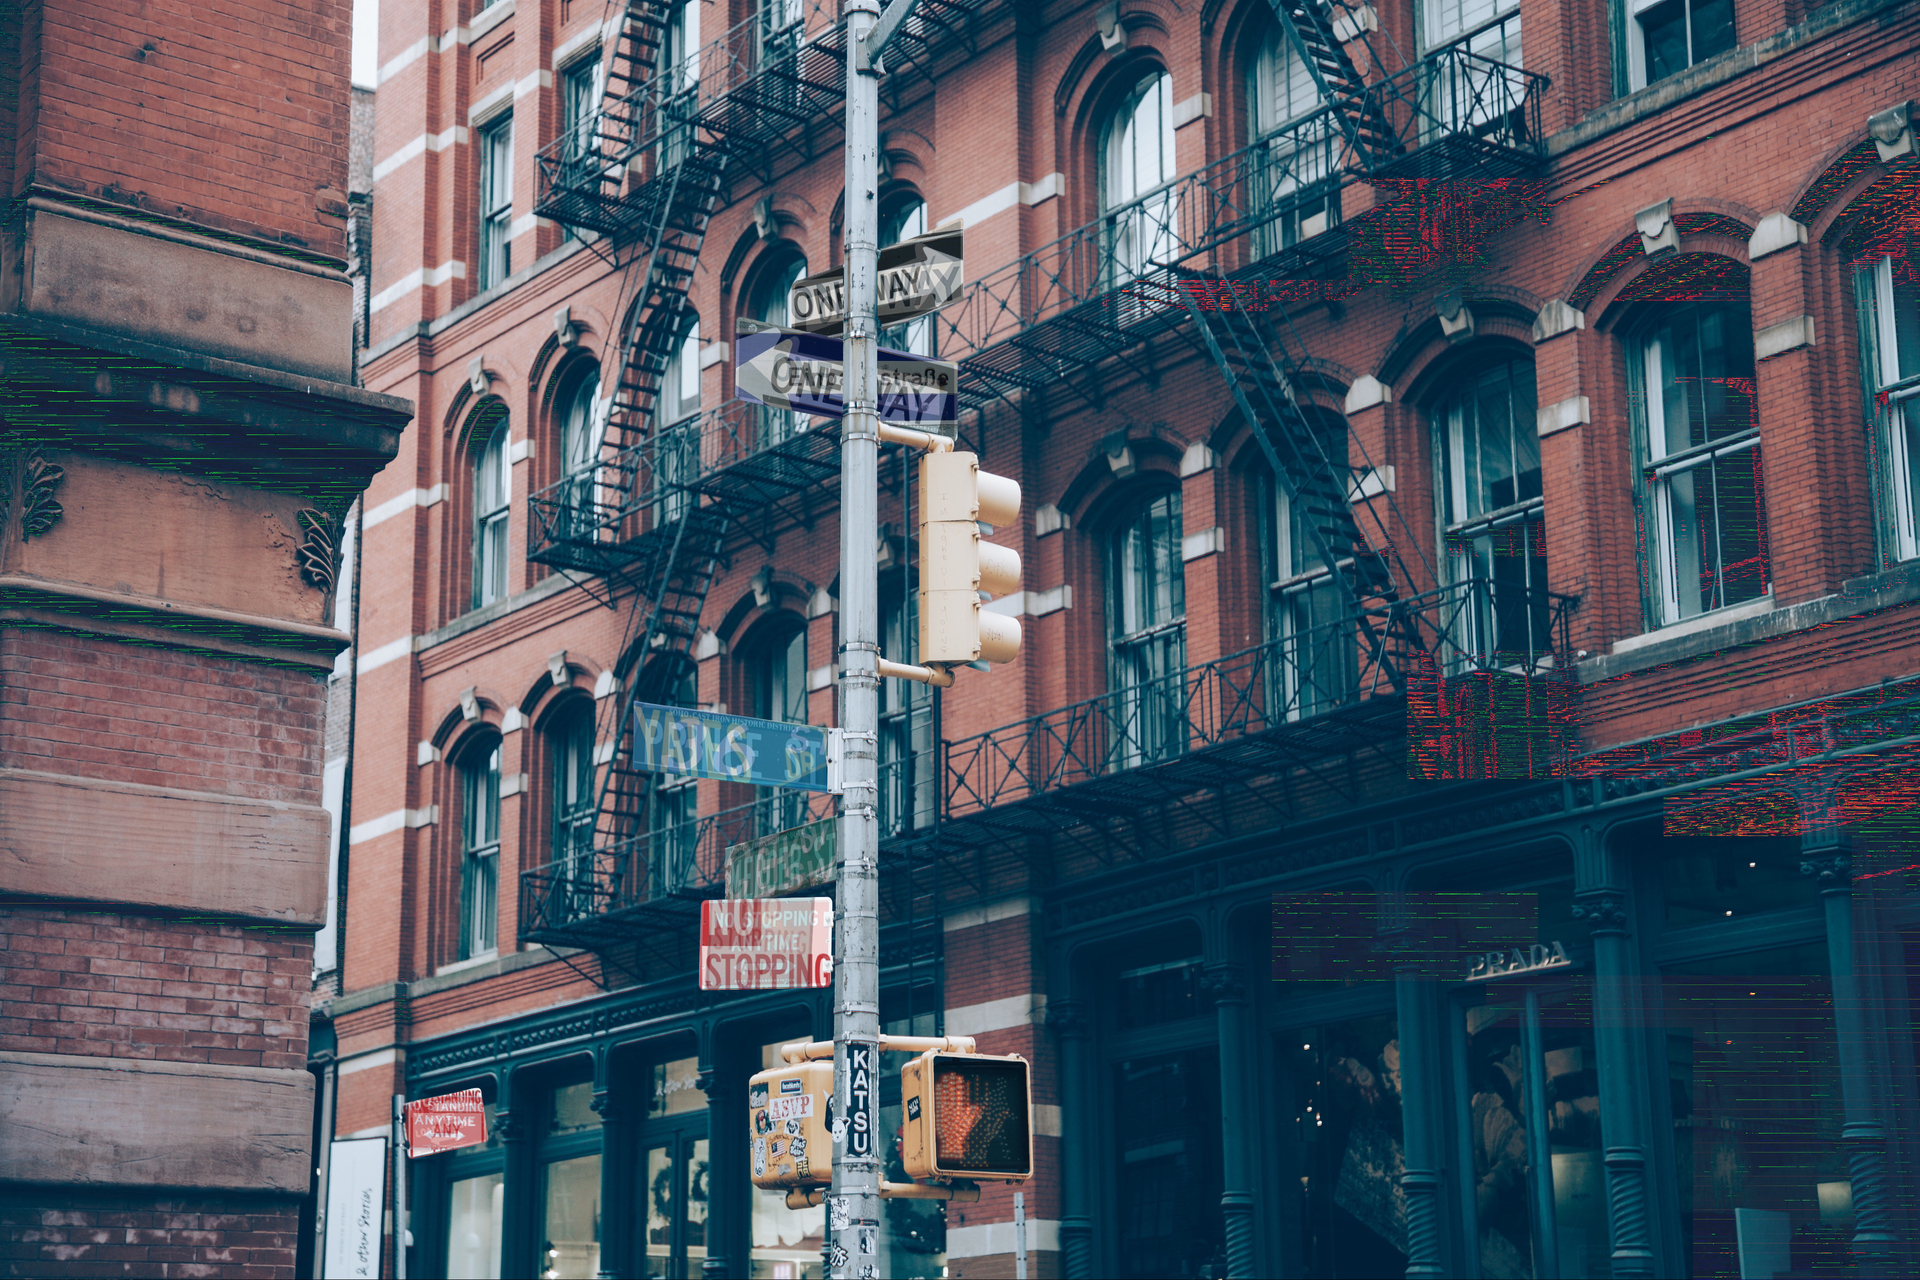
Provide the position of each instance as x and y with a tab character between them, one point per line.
1167	1179
786	1242
571	1250
1345	1112
1753	1075
1718	878
473	1230
1531	1070
676	1088
1150	995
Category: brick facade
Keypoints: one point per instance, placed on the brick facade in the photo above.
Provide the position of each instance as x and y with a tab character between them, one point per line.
1010	137
182	440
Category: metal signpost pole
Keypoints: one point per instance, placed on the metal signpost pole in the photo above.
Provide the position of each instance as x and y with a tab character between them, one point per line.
854	1210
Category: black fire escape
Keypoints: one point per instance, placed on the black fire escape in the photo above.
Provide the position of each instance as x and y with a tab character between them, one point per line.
650	520
1186	268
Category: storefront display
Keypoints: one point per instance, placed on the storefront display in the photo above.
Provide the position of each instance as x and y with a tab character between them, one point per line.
1346	1110
570	1180
1753	1078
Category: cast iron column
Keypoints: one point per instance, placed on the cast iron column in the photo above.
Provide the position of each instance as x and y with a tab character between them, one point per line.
617	1128
1422	1064
1825	856
1228	985
517	1243
726	1166
1068	1020
1623	1100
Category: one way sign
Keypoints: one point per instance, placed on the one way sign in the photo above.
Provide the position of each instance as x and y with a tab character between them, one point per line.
806	373
916	276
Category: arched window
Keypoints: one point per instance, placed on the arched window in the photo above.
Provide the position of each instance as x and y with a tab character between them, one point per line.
673	819
580	431
491	483
1147	603
479	849
574	800
1293	171
1889	292
780	693
768	304
1703	517
1136	158
903	217
1305	610
1493	518
675	442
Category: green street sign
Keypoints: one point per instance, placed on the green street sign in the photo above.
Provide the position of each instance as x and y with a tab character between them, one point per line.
800	858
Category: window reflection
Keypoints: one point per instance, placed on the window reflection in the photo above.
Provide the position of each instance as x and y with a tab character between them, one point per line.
1345	1113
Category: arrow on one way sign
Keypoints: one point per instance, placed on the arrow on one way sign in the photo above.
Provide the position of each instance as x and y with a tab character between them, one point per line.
916	276
806	373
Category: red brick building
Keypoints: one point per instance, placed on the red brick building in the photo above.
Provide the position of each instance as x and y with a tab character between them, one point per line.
1468	571
180	438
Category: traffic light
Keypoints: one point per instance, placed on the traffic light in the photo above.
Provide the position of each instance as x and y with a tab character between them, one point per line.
789	1112
956	566
967	1115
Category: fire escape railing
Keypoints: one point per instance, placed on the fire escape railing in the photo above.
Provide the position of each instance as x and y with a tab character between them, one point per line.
1314	684
747	104
662	873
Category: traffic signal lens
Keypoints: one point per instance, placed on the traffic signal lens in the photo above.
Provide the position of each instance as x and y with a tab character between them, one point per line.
980	1107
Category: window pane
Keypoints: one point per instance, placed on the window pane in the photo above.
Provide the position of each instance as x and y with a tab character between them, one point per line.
699	1195
660	1209
1344	1112
1664	29
676	1088
1712	28
573	1109
1753	1079
1167	1172
571	1247
577	442
473	1226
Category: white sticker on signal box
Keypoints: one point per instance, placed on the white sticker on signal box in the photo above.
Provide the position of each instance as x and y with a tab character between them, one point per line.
788	1108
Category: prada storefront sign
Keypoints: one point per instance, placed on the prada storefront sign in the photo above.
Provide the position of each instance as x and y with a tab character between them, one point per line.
1513	962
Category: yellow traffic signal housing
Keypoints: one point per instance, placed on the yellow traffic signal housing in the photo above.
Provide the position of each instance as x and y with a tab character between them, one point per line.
967	1115
956	566
788	1113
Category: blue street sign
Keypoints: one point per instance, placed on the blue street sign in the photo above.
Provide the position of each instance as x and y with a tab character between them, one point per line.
706	744
805	372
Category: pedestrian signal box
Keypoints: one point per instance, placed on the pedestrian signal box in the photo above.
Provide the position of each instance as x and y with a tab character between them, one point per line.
967	1115
790	1114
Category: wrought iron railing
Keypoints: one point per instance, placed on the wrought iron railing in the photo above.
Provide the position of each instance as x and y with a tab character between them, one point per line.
678	864
631	493
1460	115
590	175
1294	680
1199	213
